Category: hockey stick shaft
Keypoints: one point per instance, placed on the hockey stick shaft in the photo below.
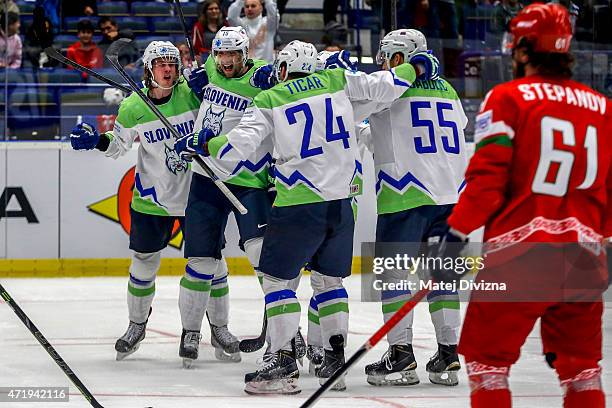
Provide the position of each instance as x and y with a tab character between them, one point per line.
393	15
49	348
135	88
179	9
56	55
372	341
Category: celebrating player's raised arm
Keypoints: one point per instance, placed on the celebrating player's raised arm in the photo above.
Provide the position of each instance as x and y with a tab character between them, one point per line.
254	128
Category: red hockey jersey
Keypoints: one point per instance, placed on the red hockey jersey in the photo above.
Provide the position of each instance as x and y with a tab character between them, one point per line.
542	167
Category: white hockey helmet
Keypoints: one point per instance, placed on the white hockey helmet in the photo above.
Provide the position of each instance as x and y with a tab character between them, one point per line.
322	59
405	41
231	39
299	57
164	50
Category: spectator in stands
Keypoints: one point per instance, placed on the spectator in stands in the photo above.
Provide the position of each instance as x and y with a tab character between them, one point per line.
185	55
10	43
79	8
261	30
8	6
442	19
110	33
209	22
504	11
39	35
85	51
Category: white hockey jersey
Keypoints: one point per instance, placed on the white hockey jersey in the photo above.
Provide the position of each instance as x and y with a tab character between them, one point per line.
309	123
162	180
419	147
225	101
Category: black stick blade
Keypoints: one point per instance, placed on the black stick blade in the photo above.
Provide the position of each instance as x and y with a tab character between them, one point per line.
112	53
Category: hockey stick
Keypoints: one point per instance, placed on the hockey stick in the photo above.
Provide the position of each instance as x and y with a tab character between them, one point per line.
393	15
112	55
372	341
252	345
49	349
179	9
56	55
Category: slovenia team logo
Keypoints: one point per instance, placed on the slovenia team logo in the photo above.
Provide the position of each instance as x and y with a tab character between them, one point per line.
174	162
213	121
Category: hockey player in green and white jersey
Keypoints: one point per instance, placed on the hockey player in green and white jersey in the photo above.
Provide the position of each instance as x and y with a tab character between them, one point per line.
224	85
308	120
419	160
162	178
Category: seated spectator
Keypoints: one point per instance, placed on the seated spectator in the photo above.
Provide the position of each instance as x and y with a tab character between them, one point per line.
10	43
39	36
209	22
78	8
110	33
8	6
85	51
261	30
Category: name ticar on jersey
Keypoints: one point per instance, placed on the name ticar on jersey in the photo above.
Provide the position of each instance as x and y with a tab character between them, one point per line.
303	84
218	97
159	134
428	84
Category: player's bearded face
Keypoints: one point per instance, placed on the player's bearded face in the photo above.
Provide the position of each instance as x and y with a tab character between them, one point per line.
229	63
165	72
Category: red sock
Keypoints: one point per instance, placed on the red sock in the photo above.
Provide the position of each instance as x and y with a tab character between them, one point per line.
491	398
590	398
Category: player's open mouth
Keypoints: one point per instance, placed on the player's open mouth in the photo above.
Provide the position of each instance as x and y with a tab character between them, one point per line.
227	67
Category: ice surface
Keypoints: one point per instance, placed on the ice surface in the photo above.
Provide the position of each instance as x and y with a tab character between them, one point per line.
83	317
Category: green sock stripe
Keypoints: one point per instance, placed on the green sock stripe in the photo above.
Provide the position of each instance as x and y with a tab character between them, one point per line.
200	286
219	292
335	308
313	317
141	292
393	307
282	309
443	304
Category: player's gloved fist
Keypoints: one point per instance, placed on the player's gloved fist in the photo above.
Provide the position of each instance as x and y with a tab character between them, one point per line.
197	79
84	137
340	59
451	246
194	144
428	65
263	77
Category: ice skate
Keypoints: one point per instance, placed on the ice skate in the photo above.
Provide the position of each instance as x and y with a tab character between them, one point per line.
278	375
396	367
444	365
189	348
332	362
225	343
315	355
130	341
